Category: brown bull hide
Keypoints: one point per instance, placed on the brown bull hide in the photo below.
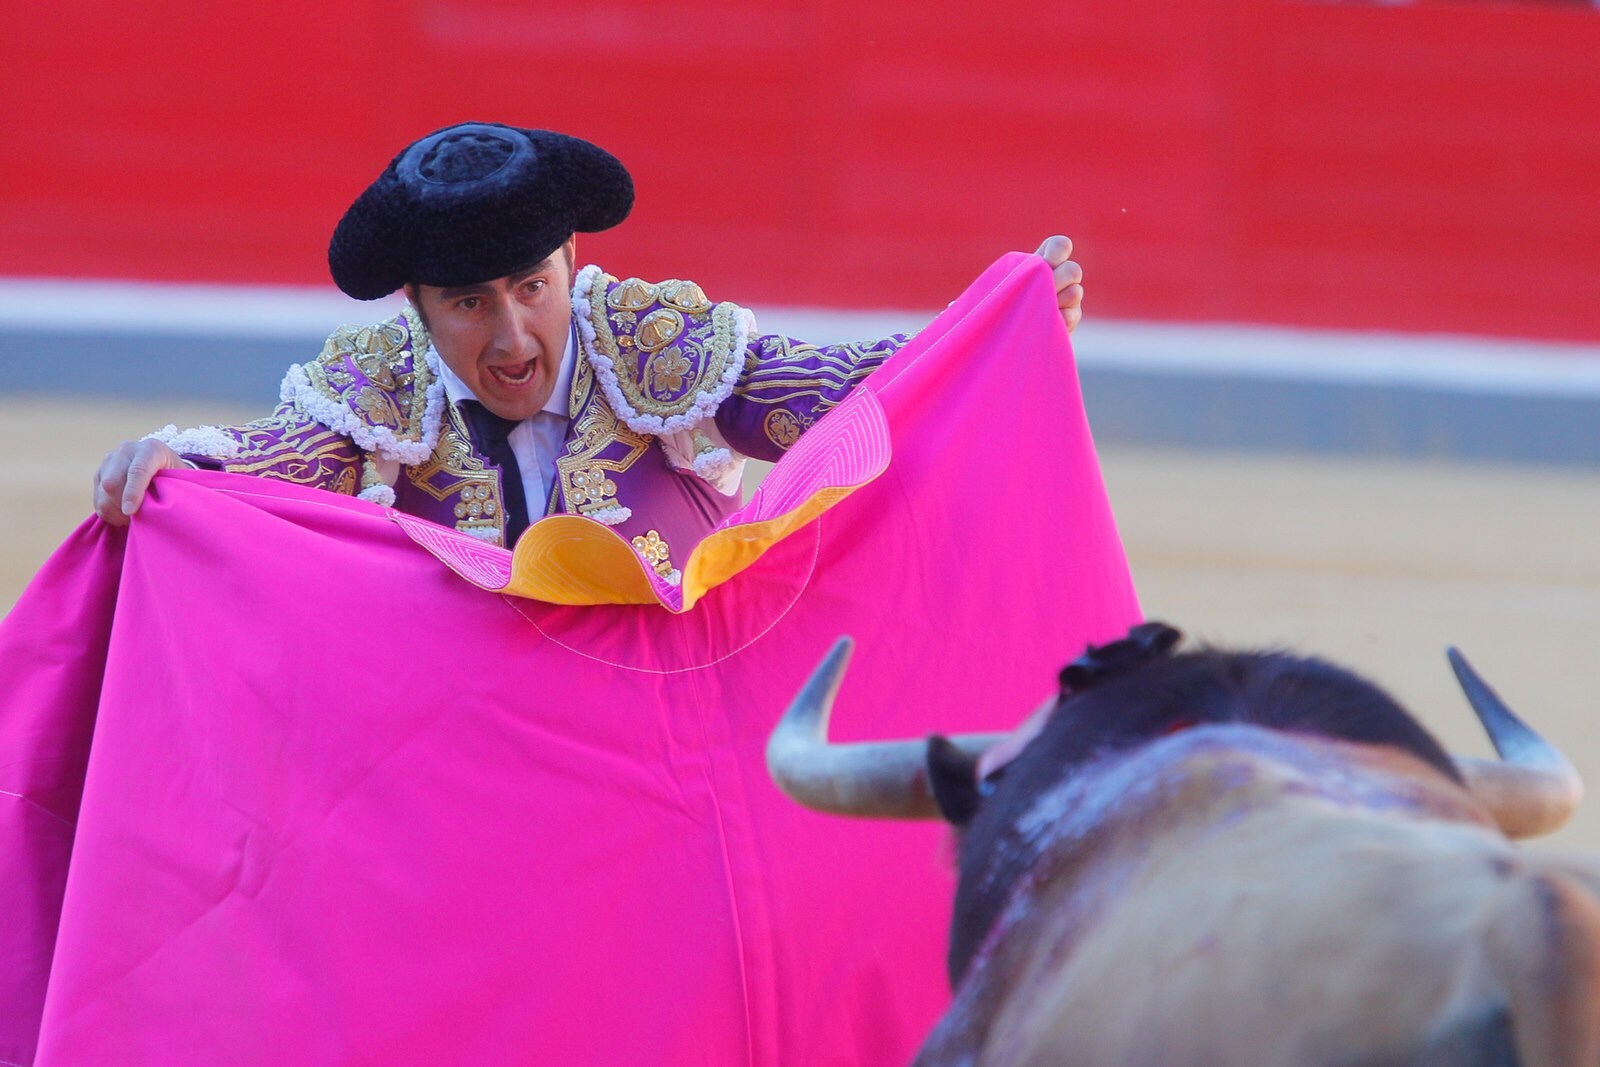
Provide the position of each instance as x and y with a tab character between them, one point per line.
1241	859
1231	896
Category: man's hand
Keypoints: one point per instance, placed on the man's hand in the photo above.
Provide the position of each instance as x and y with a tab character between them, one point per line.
1057	251
125	475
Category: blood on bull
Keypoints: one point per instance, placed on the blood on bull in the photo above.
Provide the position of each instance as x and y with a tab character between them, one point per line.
1228	858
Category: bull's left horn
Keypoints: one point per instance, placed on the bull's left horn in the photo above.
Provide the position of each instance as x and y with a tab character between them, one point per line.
1532	789
881	779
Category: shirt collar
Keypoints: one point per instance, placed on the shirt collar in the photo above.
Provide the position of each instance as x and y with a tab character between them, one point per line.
456	390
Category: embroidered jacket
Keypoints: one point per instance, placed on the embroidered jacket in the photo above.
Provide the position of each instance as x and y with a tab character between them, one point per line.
670	393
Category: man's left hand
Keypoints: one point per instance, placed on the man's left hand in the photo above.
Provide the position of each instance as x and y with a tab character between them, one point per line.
1057	251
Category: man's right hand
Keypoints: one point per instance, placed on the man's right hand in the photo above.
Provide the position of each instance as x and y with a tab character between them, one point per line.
125	475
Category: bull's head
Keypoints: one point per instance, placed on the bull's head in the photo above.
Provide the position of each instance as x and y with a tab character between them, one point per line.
1532	789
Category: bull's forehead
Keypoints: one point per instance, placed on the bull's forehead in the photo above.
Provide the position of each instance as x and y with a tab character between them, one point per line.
1218	772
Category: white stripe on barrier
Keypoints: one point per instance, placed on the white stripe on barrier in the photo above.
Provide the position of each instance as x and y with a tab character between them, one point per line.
1454	363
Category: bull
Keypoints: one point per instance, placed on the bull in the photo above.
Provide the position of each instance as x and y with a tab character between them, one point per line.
1237	858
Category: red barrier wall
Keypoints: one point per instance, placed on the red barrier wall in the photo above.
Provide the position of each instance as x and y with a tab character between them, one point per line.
1433	166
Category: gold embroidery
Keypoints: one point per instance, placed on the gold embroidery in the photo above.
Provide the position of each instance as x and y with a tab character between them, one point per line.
783	427
604	340
664	373
284	437
773	351
581	472
778	371
288	447
476	502
655	552
379	353
684	296
632	295
658	330
421	374
625	323
582	381
377	407
370	476
381	342
708	339
592	490
455	470
376	350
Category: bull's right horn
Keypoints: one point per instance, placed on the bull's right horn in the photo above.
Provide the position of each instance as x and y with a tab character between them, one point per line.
1532	789
880	779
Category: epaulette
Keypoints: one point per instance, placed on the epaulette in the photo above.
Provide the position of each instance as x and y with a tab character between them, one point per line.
379	385
664	355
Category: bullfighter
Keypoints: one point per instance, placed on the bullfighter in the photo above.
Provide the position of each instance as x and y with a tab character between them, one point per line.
513	387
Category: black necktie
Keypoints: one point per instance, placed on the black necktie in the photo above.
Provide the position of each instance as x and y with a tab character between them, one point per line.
491	434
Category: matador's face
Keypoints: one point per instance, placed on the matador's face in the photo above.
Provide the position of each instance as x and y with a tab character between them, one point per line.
504	338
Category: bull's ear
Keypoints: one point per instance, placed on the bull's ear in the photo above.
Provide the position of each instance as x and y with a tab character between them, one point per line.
953	778
1145	642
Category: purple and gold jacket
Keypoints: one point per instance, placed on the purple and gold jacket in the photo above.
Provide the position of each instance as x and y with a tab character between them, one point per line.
669	395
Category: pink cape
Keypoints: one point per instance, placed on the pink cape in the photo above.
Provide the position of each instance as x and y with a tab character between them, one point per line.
277	787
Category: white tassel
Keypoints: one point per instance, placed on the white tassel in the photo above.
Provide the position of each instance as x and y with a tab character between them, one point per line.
373	487
721	469
380	494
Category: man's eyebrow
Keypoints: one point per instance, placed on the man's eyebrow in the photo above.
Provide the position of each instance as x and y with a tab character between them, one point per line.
484	288
450	292
548	263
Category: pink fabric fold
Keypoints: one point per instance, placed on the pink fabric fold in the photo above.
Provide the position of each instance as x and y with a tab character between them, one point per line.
279	787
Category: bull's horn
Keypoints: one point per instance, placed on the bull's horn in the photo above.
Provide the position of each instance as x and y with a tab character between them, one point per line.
1532	789
880	779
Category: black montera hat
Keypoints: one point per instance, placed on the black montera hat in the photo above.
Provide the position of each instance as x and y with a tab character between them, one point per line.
473	202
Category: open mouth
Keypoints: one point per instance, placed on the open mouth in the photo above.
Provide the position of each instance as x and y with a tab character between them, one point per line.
514	376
